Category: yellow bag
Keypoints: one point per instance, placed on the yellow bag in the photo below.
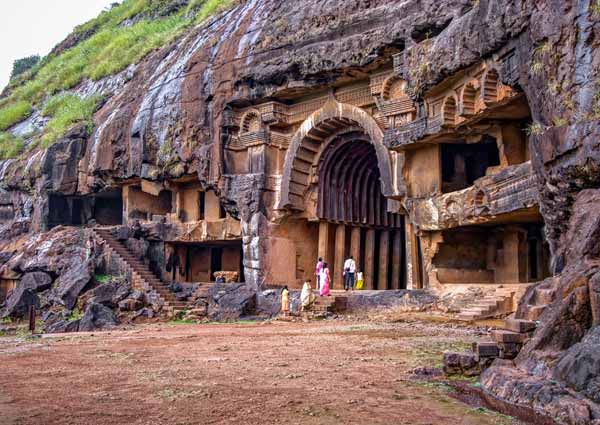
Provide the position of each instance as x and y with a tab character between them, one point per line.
359	284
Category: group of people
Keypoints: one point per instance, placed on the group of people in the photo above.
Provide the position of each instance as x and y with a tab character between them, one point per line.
353	279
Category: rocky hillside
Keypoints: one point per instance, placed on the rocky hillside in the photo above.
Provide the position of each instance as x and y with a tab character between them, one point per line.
152	101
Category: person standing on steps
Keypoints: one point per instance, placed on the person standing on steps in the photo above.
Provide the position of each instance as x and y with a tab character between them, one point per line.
318	270
307	298
324	291
349	272
360	281
285	301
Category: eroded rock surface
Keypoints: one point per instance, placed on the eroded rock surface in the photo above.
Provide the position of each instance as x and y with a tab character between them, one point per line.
166	120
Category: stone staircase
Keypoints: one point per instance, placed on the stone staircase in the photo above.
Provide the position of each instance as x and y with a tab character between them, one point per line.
506	344
326	305
542	297
142	276
500	302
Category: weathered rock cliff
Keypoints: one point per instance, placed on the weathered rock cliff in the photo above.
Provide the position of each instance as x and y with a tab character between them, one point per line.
163	119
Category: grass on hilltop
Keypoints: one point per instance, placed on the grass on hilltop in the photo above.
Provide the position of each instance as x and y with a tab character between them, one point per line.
112	44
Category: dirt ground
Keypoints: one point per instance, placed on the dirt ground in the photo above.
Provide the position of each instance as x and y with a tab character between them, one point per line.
328	372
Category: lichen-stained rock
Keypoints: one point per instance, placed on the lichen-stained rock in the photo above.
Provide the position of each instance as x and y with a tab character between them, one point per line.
18	303
579	366
164	117
230	301
36	281
54	252
71	283
58	324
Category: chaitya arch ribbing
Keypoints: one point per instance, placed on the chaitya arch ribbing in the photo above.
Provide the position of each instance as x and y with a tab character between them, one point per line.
310	139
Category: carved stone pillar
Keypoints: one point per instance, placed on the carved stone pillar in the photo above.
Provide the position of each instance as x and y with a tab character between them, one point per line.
384	249
369	268
396	282
340	245
413	280
324	241
355	245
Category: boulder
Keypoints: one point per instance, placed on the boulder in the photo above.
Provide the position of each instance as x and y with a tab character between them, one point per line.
230	301
70	284
580	365
122	292
97	316
133	302
463	363
268	302
101	294
17	304
25	294
36	281
62	326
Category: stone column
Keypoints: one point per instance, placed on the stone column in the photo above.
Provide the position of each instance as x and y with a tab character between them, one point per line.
369	268
397	260
412	259
125	196
338	266
384	249
355	245
323	250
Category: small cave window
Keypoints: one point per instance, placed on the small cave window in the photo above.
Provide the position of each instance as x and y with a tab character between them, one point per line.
462	164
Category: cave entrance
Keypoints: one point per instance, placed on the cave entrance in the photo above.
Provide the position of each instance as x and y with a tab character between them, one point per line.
143	205
464	163
198	262
501	254
353	215
104	208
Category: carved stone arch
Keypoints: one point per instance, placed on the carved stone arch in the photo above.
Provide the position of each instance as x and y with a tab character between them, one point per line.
450	110
468	99
490	81
250	122
306	146
393	88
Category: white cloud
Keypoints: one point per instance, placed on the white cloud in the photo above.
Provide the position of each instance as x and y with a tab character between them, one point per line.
29	27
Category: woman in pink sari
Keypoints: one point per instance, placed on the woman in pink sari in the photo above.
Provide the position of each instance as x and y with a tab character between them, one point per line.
324	290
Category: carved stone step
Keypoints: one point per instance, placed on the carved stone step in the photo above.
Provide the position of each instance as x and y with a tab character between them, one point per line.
535	311
519	325
508	336
486	349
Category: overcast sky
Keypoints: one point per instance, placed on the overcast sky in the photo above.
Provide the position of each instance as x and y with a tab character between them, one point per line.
30	27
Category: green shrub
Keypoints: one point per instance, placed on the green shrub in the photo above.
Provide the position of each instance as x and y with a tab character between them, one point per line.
10	146
67	110
76	314
102	278
14	113
22	65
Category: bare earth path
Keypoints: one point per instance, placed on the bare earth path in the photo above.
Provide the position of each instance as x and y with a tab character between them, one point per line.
255	373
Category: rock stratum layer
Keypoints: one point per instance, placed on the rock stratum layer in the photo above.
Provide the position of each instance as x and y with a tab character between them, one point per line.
163	119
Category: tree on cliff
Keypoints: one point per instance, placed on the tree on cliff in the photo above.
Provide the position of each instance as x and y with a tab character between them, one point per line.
24	64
